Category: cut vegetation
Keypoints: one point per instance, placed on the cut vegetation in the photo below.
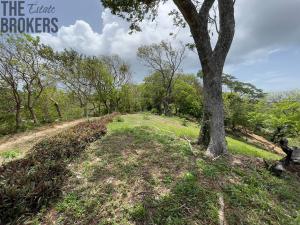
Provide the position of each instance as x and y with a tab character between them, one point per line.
144	171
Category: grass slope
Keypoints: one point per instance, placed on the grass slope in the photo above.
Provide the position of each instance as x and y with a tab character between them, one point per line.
175	126
144	172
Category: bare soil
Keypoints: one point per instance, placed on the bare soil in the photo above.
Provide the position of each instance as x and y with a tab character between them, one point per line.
24	141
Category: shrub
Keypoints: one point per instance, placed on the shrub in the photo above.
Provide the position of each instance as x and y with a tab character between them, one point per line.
185	122
10	154
119	119
32	182
146	117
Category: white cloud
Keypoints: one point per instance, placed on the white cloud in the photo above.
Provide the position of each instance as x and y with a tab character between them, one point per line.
115	39
262	30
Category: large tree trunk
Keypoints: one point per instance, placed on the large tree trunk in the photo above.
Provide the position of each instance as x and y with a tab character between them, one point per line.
166	108
31	109
204	135
213	127
32	114
18	101
212	62
166	103
57	107
107	107
85	111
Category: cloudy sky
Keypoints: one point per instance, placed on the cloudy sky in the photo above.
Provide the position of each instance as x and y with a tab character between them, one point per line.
265	51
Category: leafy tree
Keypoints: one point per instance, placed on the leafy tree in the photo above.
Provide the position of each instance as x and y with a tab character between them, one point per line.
279	119
130	98
7	109
153	93
197	16
101	82
120	72
32	67
236	110
9	75
70	71
164	60
243	89
187	96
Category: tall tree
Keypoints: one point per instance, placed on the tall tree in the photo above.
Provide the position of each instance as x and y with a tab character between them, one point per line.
32	68
165	60
10	76
197	15
120	73
70	67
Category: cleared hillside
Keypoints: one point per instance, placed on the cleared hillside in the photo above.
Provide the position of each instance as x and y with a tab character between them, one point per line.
144	171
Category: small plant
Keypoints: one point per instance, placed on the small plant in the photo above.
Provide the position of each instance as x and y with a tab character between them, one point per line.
185	122
71	205
119	119
154	111
168	179
146	117
12	154
138	212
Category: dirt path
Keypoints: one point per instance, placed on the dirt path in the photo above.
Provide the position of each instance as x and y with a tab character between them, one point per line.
24	141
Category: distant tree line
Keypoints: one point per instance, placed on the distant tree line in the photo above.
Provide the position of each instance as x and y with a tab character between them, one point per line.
39	85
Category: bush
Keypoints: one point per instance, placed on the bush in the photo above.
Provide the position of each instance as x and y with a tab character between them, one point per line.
185	122
146	117
10	154
119	119
30	183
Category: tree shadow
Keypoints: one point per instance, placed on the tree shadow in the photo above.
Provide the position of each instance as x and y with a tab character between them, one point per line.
156	172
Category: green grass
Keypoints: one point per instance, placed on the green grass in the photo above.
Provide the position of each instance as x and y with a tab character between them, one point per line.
10	154
181	128
144	172
137	176
172	125
239	147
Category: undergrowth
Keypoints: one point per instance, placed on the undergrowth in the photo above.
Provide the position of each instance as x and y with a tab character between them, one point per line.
144	172
32	182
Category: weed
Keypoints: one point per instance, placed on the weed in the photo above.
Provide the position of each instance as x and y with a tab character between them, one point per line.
11	154
119	119
146	117
71	205
185	122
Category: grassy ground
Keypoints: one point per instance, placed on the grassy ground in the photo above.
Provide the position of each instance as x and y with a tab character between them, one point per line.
183	129
145	172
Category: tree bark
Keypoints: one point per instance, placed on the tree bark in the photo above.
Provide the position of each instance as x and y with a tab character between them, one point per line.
18	116
31	109
57	107
212	62
204	135
32	114
214	115
18	102
85	110
166	108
